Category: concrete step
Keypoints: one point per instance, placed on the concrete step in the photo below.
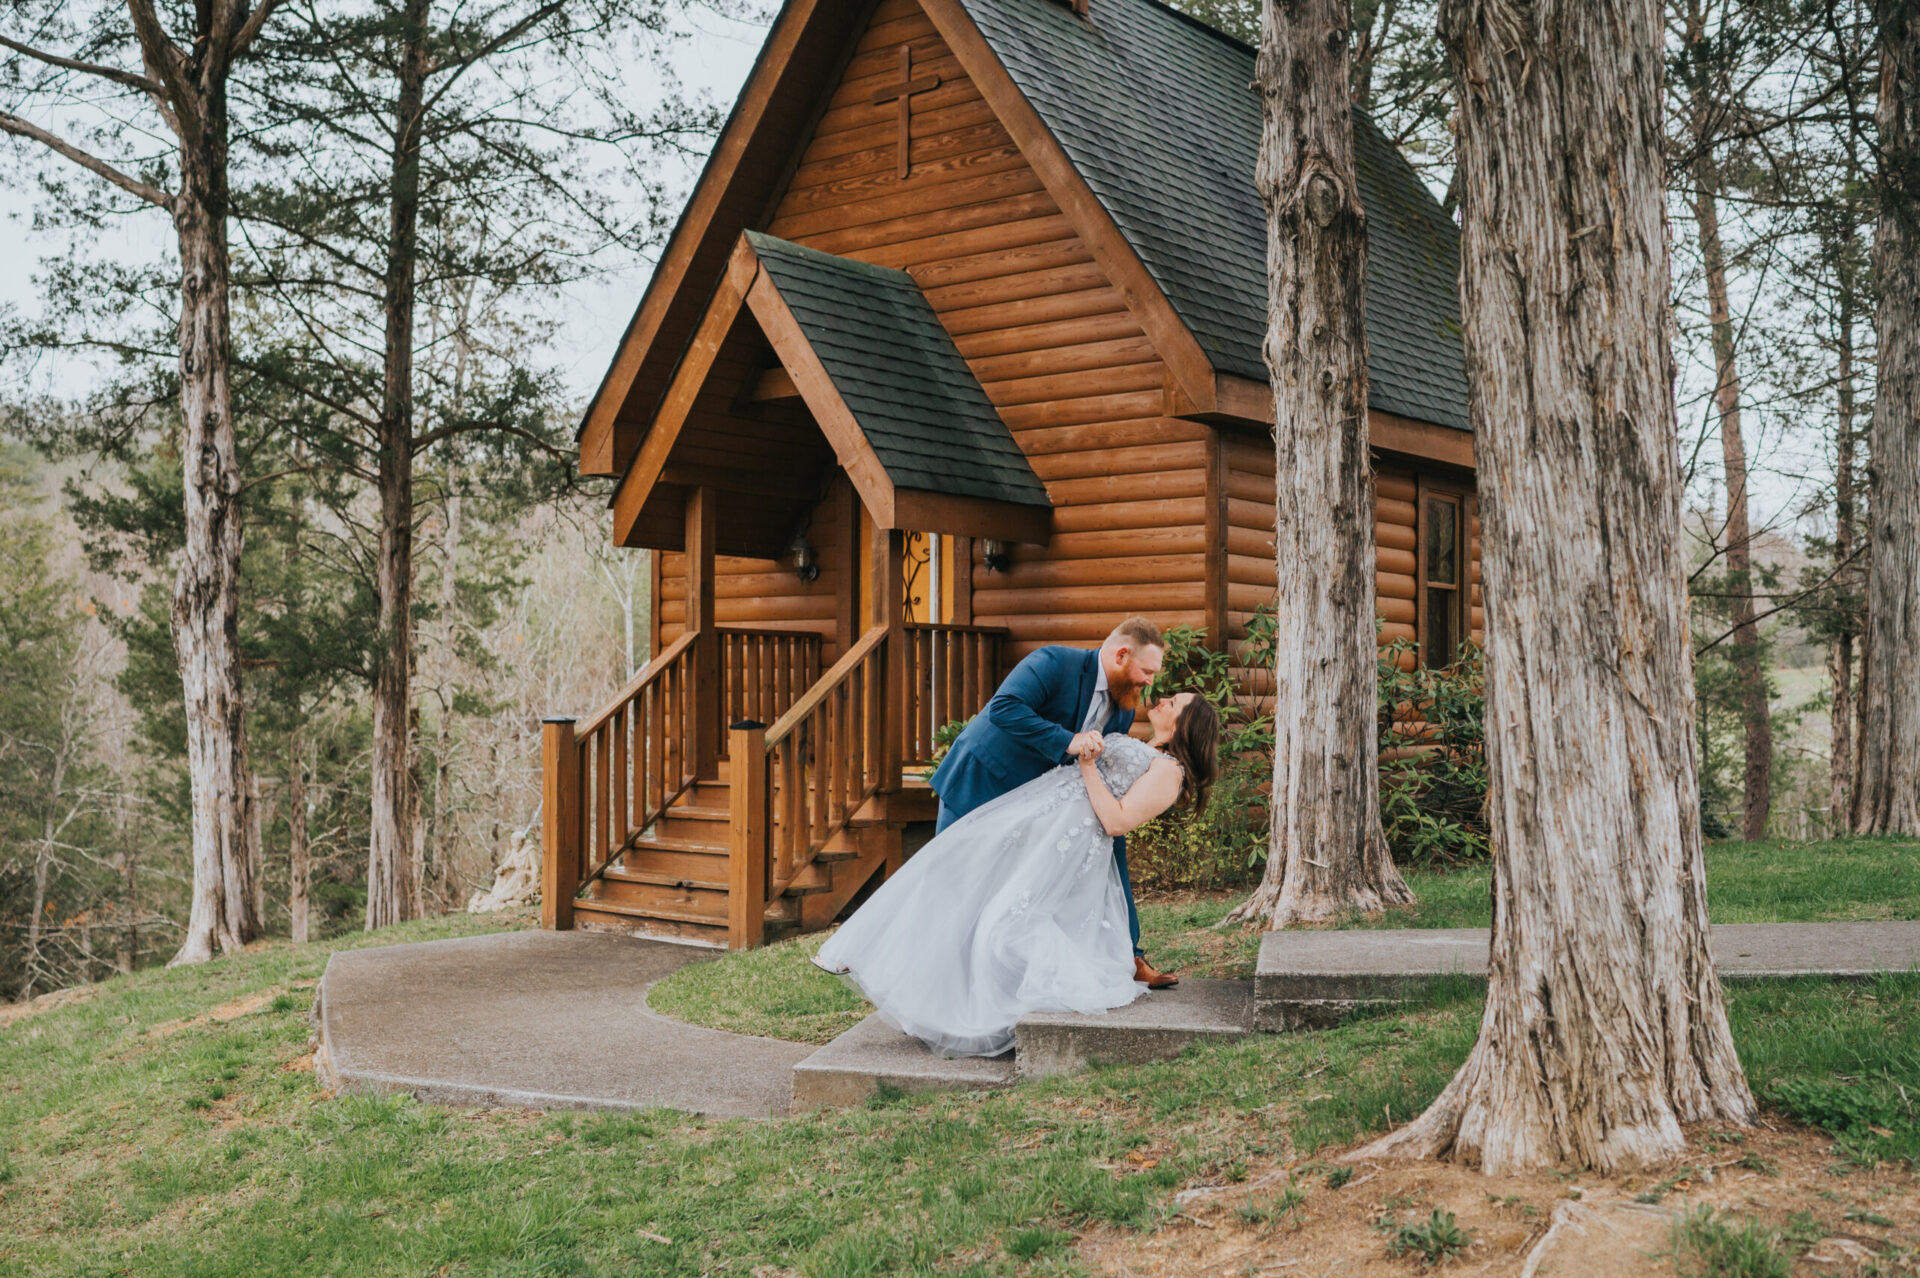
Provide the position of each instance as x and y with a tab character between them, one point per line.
853	1066
1157	1026
1306	979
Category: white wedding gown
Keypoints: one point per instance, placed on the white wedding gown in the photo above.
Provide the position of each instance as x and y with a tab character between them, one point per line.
1017	907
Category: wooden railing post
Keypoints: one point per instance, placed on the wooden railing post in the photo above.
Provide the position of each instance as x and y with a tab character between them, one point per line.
749	836
889	589
560	824
707	722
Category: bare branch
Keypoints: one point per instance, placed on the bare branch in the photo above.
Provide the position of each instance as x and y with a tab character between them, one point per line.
114	74
21	128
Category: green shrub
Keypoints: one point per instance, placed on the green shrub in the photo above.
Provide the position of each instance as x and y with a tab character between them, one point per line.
1433	759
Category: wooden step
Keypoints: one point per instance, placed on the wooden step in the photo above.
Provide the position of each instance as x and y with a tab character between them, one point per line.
666	914
623	873
670	900
707	865
811	879
601	916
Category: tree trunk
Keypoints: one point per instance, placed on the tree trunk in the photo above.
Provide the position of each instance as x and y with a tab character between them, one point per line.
206	594
1889	780
1604	1027
1840	650
298	869
443	826
42	868
1327	852
1755	708
392	893
128	953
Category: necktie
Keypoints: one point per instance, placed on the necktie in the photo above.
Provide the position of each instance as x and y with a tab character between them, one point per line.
1096	720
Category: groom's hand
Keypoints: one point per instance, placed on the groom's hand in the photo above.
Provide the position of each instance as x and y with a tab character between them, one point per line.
1086	746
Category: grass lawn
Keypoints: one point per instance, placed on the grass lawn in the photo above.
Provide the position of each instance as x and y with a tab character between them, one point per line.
169	1124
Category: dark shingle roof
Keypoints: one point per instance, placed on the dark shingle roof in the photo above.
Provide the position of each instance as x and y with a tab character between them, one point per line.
925	416
1158	114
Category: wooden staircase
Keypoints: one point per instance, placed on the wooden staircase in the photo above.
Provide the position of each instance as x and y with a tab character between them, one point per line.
735	793
672	882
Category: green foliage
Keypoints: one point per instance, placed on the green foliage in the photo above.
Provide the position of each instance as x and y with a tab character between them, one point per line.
1433	1239
1226	844
943	738
1706	1245
1433	766
1433	772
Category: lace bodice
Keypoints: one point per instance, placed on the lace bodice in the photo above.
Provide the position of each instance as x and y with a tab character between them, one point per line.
1124	761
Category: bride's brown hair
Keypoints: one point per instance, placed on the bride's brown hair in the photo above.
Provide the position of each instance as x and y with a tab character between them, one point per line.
1194	746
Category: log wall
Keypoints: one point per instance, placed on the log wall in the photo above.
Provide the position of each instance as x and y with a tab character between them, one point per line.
1250	554
1047	334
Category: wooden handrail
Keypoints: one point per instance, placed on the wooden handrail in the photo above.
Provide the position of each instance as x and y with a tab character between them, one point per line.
648	673
808	703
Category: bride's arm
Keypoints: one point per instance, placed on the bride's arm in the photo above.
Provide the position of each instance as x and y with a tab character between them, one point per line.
1151	795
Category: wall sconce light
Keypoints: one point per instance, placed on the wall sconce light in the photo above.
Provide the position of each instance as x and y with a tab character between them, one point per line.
996	554
800	554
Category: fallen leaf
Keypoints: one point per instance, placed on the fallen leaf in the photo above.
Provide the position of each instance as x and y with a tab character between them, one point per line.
650	1236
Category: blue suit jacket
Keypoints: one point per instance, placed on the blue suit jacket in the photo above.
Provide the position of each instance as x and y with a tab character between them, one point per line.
1025	728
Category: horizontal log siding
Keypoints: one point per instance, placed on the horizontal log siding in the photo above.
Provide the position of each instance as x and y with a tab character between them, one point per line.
1046	333
767	593
1250	554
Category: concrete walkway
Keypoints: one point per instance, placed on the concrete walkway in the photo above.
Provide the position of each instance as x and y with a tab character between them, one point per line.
541	1019
1307	978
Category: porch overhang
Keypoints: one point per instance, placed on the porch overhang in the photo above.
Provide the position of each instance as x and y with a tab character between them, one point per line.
860	365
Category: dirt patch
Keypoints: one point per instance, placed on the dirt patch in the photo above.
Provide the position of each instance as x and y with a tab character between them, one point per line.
11	1012
1288	1219
232	1009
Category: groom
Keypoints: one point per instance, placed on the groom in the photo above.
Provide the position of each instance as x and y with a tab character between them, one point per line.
1056	704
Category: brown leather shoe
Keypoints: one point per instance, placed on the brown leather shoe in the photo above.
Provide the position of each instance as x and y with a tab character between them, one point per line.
1144	971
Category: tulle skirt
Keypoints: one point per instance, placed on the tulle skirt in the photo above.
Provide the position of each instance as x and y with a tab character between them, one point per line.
1015	908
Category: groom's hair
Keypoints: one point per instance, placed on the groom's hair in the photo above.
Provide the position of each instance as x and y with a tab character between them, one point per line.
1139	633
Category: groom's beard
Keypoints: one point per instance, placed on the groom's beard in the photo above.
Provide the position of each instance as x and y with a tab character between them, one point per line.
1125	694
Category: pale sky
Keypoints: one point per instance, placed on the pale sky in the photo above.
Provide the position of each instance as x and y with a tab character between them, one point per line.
715	58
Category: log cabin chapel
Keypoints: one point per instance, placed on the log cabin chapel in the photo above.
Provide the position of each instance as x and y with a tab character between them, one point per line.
956	352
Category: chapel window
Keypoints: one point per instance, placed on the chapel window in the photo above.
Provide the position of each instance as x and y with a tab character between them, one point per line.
1443	577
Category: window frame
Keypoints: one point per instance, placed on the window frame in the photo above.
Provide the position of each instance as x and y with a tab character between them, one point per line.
1461	497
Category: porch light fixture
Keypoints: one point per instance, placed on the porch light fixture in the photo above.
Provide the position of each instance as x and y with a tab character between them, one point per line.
996	554
800	555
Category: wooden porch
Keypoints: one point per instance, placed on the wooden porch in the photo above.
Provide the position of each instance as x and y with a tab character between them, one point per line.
735	792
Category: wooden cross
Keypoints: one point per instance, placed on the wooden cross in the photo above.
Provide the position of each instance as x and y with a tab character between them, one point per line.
903	93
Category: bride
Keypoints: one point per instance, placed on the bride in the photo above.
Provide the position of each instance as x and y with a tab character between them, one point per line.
1018	907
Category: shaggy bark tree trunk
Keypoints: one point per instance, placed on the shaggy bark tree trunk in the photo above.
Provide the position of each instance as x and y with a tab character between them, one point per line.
188	87
206	595
392	891
299	871
1327	853
1840	650
1604	1027
1888	799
